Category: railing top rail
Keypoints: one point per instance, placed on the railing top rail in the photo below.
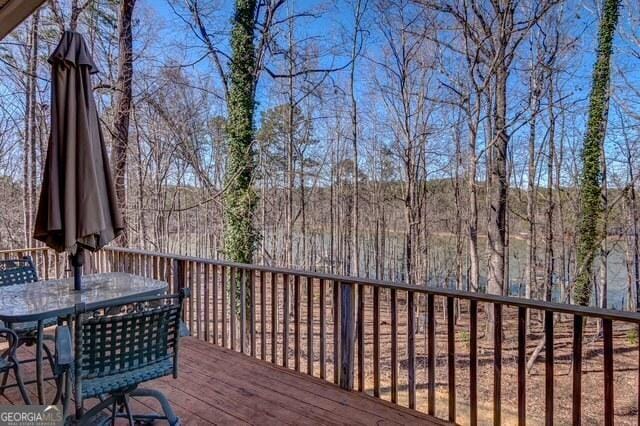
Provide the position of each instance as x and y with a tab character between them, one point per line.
586	311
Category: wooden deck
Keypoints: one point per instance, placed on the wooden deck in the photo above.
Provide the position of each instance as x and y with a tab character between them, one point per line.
219	386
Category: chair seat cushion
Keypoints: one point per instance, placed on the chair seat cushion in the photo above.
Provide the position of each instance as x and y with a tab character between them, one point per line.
5	365
92	387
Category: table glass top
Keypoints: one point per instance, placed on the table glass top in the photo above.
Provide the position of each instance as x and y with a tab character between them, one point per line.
43	299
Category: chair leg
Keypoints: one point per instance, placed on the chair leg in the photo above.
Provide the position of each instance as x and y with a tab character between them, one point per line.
114	412
23	390
88	417
5	376
127	408
52	364
66	379
164	403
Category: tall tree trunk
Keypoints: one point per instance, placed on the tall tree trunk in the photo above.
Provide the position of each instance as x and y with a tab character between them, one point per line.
355	213
33	118
536	81
591	179
240	197
123	106
28	158
496	231
290	147
474	260
549	253
633	250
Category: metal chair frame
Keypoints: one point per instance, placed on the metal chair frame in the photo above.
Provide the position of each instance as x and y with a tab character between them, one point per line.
114	352
8	361
23	271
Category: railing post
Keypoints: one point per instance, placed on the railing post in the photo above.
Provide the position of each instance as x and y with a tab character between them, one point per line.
180	278
179	272
347	337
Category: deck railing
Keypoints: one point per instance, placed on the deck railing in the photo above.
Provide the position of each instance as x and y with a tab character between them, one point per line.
341	328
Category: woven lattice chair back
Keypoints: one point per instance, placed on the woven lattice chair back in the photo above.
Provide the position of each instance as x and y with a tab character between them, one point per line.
116	344
17	271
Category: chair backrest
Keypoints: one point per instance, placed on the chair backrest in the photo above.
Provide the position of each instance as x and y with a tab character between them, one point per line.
17	271
112	344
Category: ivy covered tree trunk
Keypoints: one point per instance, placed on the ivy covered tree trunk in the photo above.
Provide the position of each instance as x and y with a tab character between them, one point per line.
590	227
240	198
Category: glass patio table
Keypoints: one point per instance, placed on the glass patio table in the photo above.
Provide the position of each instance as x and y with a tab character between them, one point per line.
42	300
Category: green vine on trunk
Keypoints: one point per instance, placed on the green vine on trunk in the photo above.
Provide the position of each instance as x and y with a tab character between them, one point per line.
591	223
240	197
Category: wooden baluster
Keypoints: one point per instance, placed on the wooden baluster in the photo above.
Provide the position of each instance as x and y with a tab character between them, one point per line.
347	331
577	370
285	322
154	264
252	313
207	318
179	274
497	364
411	349
233	307
394	345
114	264
34	257
46	265
296	325
522	366
243	309
195	296
431	352
274	318
607	340
473	363
323	331
169	270
263	316
376	341
214	288
198	283
336	331
548	371
225	291
451	359
360	334
309	282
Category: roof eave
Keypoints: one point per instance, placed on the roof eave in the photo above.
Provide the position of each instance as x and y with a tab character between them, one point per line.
14	12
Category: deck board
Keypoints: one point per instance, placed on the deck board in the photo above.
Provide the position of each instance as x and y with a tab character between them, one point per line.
220	386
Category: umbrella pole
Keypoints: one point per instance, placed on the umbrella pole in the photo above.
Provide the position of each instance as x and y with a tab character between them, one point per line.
77	261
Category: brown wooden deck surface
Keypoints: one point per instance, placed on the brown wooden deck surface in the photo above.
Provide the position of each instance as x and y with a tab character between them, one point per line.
219	386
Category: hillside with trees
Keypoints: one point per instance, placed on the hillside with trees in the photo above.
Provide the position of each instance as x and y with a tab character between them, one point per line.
488	146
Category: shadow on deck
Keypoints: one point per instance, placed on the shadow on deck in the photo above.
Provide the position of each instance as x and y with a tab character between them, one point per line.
219	386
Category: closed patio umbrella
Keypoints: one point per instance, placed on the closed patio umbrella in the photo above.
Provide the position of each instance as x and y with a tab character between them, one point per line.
78	208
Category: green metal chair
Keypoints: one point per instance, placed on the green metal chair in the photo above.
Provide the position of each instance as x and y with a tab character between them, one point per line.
23	271
9	363
114	353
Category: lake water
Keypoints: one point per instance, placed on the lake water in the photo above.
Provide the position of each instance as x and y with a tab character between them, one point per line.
441	251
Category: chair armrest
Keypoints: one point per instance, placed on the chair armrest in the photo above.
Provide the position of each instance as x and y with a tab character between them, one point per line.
64	347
